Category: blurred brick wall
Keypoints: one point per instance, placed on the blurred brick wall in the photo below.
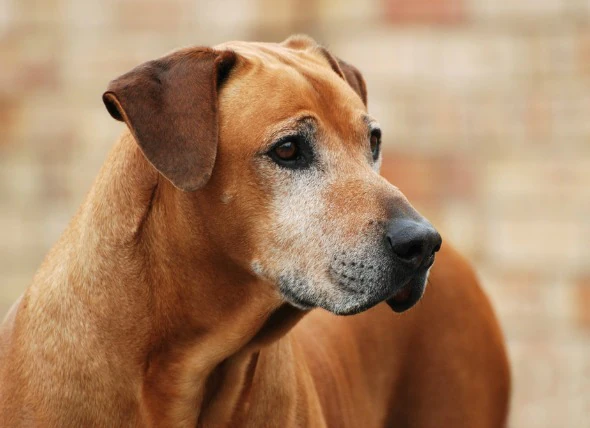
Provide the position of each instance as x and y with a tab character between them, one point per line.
485	106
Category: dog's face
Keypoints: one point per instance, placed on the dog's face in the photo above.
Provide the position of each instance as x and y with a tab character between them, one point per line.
295	194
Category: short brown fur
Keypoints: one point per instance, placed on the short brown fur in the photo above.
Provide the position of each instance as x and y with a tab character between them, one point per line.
146	313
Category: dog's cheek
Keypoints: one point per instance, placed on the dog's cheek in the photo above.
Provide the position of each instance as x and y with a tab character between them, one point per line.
293	242
314	218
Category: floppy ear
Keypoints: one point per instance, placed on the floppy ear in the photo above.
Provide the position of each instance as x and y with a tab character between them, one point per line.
354	78
170	107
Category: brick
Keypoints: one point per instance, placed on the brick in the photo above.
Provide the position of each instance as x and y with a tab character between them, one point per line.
532	304
526	10
430	178
347	9
96	15
551	383
425	11
583	50
528	177
6	15
137	15
536	244
554	54
581	309
395	56
18	181
38	12
415	176
9	111
34	55
459	223
570	108
13	228
538	116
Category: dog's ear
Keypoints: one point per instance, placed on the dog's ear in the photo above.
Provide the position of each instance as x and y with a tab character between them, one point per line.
354	78
345	70
170	106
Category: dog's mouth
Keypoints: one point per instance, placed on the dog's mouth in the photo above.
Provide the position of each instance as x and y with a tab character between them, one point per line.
354	287
366	284
402	296
408	295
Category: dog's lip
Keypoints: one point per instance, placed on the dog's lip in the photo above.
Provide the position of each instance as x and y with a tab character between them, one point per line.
403	294
401	298
406	296
429	262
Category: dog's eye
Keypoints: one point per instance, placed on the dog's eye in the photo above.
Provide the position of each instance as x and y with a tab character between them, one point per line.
287	151
375	143
292	152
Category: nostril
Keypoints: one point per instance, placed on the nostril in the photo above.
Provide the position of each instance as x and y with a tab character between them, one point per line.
409	251
437	247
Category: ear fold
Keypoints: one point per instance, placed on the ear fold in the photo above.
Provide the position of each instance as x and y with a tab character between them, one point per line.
170	106
355	79
347	71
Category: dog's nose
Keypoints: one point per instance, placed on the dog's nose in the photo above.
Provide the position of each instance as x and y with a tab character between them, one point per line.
413	242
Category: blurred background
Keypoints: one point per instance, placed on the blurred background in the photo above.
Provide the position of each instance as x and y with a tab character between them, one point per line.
485	107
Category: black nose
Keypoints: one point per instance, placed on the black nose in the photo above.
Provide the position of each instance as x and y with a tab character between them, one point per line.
413	242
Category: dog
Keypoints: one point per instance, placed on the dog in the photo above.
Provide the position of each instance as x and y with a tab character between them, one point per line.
201	282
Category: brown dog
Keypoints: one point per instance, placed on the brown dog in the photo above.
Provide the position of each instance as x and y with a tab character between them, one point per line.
246	193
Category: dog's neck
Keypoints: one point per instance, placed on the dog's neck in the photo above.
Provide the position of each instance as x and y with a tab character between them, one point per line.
199	318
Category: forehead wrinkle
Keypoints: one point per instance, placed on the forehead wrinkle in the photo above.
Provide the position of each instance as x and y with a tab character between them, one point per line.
299	122
270	56
275	54
307	87
309	63
334	97
350	132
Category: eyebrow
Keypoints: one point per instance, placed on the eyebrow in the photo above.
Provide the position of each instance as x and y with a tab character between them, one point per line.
304	123
292	124
370	121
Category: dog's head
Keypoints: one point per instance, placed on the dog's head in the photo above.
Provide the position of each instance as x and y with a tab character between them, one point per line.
276	145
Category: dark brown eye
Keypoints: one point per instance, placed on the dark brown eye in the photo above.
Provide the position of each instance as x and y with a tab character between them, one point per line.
292	152
375	143
287	151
